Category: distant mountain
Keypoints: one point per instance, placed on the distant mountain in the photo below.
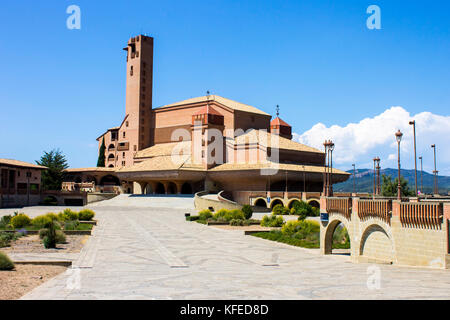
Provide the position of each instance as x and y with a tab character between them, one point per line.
364	180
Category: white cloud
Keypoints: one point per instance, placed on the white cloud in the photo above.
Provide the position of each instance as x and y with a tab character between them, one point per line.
360	142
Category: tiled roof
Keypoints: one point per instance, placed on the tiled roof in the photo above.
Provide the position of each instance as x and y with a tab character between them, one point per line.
279	122
226	102
270	165
163	149
266	139
22	164
164	163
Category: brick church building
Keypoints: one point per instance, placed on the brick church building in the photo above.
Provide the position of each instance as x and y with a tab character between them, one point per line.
205	143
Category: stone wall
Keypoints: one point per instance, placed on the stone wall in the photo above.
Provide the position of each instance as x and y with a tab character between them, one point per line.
202	203
376	241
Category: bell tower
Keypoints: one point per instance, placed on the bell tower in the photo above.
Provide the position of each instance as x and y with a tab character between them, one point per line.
139	90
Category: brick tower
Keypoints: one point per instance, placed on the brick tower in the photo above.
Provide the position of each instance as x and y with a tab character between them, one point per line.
138	110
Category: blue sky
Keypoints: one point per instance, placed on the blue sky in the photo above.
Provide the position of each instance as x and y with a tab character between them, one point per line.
61	88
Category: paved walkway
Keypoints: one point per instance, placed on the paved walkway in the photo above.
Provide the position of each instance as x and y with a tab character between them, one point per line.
144	249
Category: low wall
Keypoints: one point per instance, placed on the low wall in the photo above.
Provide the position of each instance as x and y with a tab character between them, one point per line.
96	197
204	204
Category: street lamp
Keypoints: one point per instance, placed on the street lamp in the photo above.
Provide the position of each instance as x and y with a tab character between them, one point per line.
413	123
354	178
398	137
435	191
325	172
421	175
331	175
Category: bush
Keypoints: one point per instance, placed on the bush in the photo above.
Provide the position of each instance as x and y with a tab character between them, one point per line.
52	216
220	214
70	215
50	238
5	262
5	221
236	222
21	220
237	214
60	236
41	221
279	210
248	212
205	214
272	221
303	210
300	229
6	238
86	215
71	225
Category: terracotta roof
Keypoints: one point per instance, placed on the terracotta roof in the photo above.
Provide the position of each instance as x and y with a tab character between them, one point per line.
164	163
93	169
279	122
226	102
270	164
265	139
163	149
22	164
208	110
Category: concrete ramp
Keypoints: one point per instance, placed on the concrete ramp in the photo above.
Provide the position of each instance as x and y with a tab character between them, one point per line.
149	201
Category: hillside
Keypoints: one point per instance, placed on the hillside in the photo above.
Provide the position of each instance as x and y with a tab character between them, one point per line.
364	180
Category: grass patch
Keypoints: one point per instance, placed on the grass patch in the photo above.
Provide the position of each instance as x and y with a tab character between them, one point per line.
279	237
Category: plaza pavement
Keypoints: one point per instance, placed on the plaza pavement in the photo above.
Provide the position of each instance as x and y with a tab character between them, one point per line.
144	249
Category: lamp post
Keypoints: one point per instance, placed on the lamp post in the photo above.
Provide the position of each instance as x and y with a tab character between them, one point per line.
398	137
354	178
374	176
331	171
325	173
435	184
421	175
413	123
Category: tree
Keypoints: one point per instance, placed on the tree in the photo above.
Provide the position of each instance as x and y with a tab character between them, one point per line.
101	154
389	187
56	163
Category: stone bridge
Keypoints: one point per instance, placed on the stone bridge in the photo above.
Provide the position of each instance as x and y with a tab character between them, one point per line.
389	231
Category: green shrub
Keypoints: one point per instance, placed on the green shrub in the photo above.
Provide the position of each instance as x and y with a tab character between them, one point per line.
60	236
71	225
86	215
6	238
5	221
236	222
237	214
220	214
272	221
303	210
52	216
50	238
192	218
247	210
300	229
279	210
71	215
41	221
5	262
205	214
21	220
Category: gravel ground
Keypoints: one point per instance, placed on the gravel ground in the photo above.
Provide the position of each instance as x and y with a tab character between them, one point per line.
32	244
24	278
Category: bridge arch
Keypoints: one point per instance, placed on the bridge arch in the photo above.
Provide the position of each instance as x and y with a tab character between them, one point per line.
376	243
327	232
